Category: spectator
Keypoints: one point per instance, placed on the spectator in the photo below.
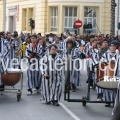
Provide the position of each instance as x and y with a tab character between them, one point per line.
89	27
39	35
85	28
51	38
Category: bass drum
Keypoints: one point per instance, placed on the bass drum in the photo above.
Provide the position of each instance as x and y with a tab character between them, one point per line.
100	71
107	71
110	69
12	77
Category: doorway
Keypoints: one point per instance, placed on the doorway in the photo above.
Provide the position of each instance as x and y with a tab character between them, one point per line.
11	24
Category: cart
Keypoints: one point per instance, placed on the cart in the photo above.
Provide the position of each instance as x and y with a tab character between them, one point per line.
11	79
86	98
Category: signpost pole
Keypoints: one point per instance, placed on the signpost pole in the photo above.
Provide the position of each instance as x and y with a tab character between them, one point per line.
78	31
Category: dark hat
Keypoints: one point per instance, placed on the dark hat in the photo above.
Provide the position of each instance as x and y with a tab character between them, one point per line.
34	36
69	41
0	33
92	36
113	42
105	40
39	34
16	32
99	43
52	46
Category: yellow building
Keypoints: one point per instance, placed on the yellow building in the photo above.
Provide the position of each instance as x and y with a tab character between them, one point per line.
56	16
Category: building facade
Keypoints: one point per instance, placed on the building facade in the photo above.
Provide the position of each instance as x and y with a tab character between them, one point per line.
56	16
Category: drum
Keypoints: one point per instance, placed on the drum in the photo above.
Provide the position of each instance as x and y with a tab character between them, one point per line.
110	69
107	85
100	71
106	71
12	77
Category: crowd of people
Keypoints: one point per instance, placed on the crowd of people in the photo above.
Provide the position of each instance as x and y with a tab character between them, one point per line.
93	48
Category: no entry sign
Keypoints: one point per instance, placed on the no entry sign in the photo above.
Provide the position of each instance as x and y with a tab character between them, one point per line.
78	24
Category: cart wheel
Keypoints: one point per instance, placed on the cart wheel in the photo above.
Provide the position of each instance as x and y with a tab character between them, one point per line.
18	97
84	101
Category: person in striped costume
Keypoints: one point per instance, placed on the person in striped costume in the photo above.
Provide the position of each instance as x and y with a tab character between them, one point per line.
33	54
4	57
52	76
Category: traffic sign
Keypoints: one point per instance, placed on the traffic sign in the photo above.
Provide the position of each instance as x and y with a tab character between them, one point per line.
78	23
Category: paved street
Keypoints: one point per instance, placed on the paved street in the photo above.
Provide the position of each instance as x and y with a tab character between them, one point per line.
31	108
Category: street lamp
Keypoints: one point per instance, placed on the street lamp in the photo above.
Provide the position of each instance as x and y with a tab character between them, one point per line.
4	19
118	18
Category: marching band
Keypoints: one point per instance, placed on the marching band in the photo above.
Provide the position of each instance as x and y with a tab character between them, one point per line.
51	48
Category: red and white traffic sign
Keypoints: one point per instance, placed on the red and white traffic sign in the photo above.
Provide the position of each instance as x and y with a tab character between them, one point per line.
78	23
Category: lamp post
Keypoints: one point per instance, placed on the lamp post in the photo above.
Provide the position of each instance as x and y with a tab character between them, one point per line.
118	17
4	19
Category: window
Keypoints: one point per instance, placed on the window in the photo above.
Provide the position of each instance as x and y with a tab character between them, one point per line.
31	12
90	17
54	19
27	13
30	15
70	16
